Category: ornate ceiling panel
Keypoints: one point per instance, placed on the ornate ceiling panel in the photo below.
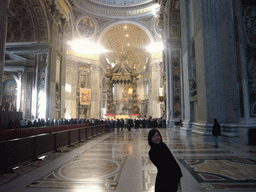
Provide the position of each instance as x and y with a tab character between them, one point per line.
20	23
128	35
129	38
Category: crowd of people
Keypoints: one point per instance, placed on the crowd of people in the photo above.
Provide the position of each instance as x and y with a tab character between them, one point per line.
50	122
119	123
136	123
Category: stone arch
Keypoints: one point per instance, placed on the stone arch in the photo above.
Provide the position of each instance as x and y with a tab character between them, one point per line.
113	37
143	27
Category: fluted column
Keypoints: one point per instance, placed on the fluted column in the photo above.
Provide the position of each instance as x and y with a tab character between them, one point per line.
135	103
3	31
110	104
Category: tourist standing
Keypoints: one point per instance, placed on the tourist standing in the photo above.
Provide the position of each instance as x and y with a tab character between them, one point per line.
216	132
168	170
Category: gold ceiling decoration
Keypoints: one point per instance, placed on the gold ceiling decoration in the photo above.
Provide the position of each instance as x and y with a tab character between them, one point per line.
129	37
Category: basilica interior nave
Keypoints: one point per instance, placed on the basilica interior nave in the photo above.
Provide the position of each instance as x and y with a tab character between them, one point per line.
73	71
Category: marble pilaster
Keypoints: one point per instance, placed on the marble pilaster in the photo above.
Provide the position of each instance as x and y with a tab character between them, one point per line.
3	32
156	82
170	20
174	82
186	58
71	89
56	56
168	88
245	122
41	85
95	111
215	60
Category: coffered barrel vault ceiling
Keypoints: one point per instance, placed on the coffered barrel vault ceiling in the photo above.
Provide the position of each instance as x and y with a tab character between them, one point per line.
129	37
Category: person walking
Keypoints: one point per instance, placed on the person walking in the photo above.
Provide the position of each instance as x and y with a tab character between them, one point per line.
168	170
216	132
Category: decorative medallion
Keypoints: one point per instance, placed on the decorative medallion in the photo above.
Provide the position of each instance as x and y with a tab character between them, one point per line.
86	27
157	27
97	169
250	23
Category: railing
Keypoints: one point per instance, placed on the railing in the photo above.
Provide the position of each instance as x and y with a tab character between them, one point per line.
8	134
31	143
5	117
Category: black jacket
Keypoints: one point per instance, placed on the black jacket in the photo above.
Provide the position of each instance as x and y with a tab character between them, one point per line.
216	129
169	172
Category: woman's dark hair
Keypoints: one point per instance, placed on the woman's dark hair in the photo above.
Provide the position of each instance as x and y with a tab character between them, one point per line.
151	133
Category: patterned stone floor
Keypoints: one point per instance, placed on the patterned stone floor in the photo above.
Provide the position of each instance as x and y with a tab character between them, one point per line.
118	161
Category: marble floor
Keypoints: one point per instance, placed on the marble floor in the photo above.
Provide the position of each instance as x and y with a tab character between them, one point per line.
118	162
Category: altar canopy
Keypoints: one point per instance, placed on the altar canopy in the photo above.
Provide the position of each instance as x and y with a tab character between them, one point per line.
122	73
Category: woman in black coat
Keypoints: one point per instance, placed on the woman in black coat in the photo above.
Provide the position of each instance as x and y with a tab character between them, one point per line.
168	170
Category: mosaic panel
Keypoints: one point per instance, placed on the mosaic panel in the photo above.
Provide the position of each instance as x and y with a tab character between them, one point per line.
98	168
224	174
83	172
149	177
26	167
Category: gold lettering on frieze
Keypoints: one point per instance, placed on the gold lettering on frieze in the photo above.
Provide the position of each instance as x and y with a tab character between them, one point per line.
87	56
156	55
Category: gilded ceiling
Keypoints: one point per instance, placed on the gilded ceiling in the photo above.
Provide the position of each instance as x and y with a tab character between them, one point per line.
129	38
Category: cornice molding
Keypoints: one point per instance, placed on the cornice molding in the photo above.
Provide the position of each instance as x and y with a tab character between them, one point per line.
116	11
132	4
27	47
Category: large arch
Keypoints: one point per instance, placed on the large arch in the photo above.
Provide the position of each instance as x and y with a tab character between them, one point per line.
146	29
131	40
